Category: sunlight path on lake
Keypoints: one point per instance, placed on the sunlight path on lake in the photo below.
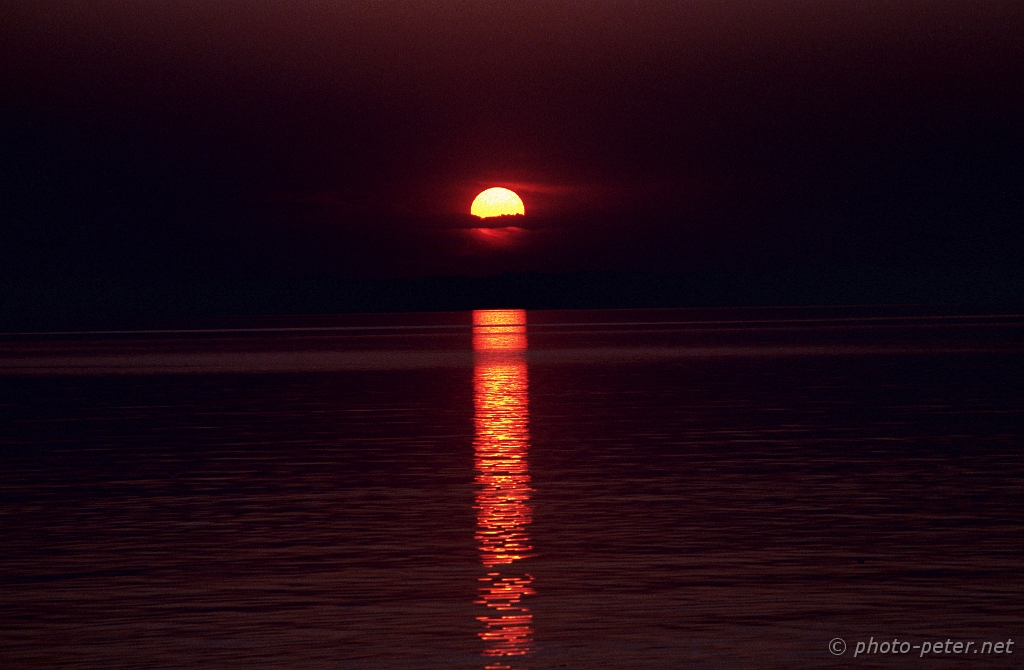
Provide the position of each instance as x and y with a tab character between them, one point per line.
500	398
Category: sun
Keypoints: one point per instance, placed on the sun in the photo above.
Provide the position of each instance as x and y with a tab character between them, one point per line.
497	201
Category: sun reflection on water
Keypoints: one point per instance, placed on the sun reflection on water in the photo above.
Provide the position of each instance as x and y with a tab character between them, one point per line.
500	398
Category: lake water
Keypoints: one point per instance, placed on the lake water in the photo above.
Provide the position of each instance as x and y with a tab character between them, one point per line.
617	489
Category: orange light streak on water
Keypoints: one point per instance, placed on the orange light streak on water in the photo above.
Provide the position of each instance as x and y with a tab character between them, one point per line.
500	398
503	332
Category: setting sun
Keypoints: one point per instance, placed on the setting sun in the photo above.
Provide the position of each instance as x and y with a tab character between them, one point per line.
497	202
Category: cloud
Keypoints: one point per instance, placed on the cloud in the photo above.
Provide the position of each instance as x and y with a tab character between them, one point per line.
505	236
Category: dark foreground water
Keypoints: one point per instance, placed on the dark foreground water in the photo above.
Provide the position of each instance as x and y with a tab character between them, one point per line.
658	489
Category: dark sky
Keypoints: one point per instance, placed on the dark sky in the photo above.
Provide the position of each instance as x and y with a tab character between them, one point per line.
287	137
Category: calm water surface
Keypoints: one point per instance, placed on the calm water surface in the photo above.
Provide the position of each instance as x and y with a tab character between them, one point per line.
651	489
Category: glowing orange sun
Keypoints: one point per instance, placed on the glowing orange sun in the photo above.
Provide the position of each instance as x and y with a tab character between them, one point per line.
497	202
